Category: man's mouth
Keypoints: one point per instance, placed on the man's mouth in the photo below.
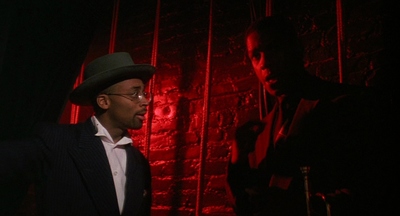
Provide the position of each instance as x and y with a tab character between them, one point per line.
271	80
140	116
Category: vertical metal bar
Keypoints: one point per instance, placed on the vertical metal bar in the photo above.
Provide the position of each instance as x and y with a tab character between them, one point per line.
340	39
114	25
74	117
253	14
75	109
263	99
204	129
151	82
268	7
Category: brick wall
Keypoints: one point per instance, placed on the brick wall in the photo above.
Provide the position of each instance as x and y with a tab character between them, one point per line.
177	131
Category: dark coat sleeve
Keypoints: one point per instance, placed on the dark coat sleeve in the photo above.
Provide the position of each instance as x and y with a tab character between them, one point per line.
19	163
241	179
238	179
348	146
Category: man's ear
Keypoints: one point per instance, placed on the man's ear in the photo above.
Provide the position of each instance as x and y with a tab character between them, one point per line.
103	101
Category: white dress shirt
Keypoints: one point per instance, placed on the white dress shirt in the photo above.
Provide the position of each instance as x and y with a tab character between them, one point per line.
116	155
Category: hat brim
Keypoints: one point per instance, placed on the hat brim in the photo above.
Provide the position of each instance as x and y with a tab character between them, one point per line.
83	93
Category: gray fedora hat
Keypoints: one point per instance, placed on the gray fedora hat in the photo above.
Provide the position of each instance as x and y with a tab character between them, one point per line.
106	71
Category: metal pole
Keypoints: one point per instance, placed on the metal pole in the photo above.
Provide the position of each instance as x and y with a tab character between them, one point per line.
204	129
263	97
74	117
340	39
75	109
268	7
151	82
114	25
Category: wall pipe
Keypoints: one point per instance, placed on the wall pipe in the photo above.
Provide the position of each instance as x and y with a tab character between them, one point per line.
154	52
204	129
75	110
268	7
263	98
340	40
114	25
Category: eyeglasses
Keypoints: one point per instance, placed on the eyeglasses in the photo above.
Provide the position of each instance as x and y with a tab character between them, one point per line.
135	96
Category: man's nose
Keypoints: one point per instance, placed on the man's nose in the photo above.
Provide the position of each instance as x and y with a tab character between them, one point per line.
144	102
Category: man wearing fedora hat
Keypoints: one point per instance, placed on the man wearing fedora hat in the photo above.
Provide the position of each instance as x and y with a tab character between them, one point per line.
89	168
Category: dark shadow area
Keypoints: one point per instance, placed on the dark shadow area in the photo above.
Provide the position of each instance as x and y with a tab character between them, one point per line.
42	46
45	43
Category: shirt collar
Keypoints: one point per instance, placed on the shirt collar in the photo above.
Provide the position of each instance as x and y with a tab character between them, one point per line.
105	136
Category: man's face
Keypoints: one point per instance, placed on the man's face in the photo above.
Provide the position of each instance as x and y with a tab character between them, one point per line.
271	62
125	109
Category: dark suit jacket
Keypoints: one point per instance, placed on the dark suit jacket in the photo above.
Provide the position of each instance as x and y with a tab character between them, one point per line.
335	131
72	176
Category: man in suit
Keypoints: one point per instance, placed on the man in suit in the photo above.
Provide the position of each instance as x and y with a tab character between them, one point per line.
89	168
312	153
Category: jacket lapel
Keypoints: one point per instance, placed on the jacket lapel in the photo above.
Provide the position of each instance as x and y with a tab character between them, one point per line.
134	182
91	159
263	141
300	116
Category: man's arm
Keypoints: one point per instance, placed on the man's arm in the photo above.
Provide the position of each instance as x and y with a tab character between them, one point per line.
240	176
17	173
